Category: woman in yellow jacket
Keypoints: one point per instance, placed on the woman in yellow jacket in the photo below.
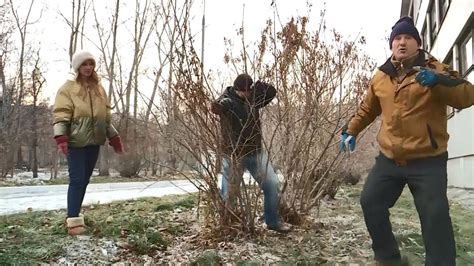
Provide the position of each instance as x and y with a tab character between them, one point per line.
81	124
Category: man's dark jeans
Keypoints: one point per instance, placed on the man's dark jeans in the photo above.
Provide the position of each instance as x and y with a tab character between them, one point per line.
81	163
427	181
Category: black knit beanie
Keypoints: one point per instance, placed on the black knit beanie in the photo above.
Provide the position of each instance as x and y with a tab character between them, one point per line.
405	25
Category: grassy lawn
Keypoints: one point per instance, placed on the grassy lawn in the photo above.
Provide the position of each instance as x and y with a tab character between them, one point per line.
405	221
144	225
167	227
407	229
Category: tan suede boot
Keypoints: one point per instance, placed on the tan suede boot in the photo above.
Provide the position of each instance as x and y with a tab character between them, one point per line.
75	225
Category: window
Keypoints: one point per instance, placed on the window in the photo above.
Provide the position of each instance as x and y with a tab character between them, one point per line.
462	55
465	54
443	9
416	7
449	111
469	77
433	22
449	61
425	38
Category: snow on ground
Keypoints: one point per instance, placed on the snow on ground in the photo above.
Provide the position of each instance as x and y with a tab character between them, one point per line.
29	175
35	198
54	197
44	174
22	178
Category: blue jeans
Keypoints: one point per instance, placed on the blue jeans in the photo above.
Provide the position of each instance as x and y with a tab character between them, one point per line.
81	163
262	171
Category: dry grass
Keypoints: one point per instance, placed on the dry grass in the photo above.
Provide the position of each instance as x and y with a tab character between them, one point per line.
167	230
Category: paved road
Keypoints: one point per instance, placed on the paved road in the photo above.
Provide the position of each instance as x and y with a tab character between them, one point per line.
19	199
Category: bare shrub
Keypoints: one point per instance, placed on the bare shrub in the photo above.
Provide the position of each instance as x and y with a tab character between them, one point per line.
319	82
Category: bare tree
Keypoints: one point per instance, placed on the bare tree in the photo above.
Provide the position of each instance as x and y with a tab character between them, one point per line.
76	23
13	89
144	26
22	30
108	52
7	114
165	32
37	81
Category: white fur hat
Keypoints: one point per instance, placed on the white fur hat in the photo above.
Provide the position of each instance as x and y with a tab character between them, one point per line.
79	57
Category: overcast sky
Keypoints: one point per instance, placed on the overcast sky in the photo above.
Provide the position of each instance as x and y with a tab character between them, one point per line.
370	18
350	18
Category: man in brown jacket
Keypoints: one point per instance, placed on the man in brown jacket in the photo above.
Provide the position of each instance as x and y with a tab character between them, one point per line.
410	92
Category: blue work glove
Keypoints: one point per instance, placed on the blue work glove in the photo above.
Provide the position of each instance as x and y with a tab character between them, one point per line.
427	77
348	142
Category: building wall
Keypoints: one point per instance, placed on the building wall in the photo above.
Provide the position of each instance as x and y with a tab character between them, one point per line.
461	149
458	14
455	25
461	125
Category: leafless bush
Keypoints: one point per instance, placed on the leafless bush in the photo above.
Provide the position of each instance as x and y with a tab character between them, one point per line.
318	83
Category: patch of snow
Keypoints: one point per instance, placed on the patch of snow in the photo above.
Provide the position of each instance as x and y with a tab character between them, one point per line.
85	250
29	175
44	174
35	198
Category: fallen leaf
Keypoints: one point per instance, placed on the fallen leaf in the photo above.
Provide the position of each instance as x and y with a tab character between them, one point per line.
124	245
124	232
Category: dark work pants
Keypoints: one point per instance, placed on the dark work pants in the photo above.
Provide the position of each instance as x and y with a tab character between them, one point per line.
81	163
427	180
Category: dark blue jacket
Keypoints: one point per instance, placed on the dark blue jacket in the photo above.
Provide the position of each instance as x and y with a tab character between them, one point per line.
240	119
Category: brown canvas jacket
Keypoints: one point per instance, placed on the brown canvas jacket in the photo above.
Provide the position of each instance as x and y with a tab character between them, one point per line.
414	118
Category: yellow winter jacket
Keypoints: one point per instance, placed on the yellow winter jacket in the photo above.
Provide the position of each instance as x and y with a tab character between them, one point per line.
414	118
82	116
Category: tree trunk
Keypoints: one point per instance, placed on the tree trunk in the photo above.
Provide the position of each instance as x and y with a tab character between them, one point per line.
104	161
34	143
154	160
55	165
35	157
19	156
